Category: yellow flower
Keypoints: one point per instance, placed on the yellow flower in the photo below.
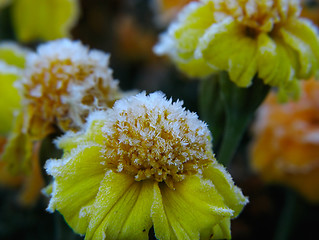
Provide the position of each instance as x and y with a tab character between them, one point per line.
147	161
43	19
244	38
286	145
62	82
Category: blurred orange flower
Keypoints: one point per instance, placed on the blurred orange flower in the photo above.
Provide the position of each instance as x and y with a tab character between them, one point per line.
286	146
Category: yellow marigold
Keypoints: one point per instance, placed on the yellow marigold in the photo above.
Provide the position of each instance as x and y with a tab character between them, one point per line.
63	81
244	38
286	144
147	161
43	19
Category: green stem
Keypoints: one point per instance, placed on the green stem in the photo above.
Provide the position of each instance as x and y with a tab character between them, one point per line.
211	107
240	105
286	222
234	130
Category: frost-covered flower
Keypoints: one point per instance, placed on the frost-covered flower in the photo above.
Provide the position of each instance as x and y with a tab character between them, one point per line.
62	83
286	145
244	38
42	19
147	161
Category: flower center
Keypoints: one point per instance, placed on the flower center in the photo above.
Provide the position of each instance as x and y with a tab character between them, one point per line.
46	88
261	15
157	145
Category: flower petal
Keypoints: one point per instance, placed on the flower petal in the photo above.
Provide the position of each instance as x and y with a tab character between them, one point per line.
191	210
10	100
231	194
303	36
122	208
77	181
51	20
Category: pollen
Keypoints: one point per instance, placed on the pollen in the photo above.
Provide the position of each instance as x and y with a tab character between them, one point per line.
259	16
150	137
63	82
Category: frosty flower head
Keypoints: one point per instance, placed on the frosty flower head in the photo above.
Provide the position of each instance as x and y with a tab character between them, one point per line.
286	145
148	137
245	38
147	161
63	82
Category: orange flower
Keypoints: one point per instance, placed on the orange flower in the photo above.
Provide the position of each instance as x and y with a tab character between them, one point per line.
286	146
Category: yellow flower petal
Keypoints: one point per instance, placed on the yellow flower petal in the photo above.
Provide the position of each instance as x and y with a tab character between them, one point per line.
13	54
122	208
43	19
10	100
243	63
196	68
80	178
18	151
214	45
232	195
205	208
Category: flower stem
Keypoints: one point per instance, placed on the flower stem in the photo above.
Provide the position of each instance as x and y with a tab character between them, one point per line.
240	105
286	222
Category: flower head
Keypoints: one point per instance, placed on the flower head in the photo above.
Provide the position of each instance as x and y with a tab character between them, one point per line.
62	83
244	38
286	145
147	161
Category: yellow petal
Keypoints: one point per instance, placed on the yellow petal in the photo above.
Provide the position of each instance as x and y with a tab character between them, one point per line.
193	21
196	68
231	194
243	63
122	209
307	32
307	60
192	209
214	46
161	225
77	181
43	19
13	54
10	99
222	230
18	151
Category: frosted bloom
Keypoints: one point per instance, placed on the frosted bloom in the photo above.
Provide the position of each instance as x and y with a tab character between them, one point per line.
147	161
266	38
63	82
